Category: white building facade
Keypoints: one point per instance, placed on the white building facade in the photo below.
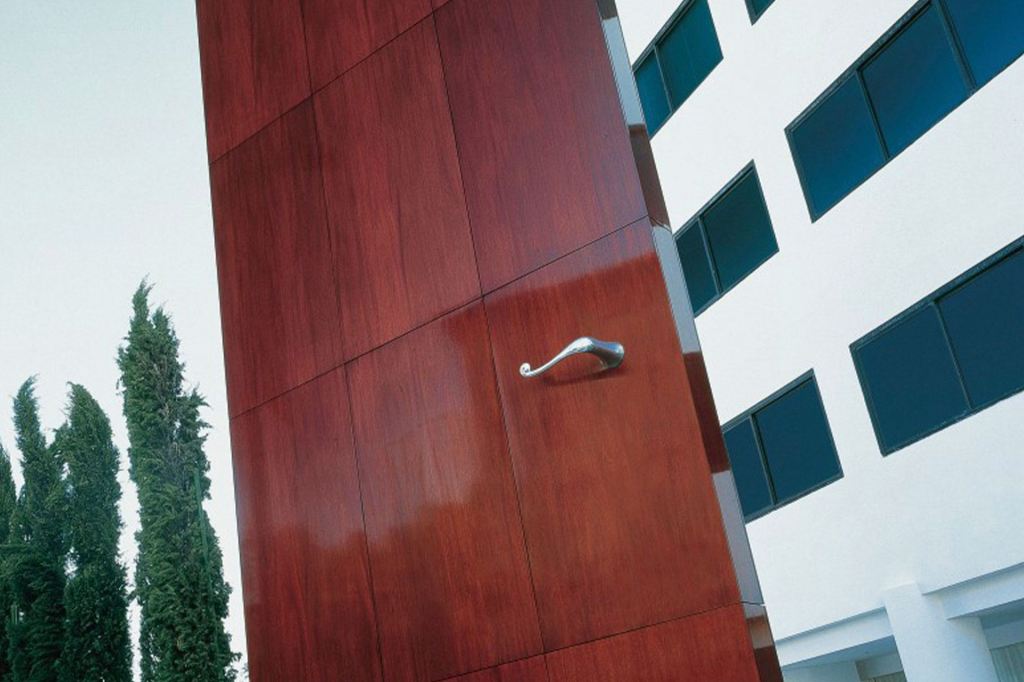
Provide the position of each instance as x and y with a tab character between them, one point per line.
905	559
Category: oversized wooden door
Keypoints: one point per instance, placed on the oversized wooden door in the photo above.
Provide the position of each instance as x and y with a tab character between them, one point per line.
412	198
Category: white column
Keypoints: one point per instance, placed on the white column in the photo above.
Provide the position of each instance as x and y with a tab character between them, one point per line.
835	672
932	647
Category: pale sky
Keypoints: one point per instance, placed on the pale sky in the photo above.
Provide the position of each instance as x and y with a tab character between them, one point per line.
104	181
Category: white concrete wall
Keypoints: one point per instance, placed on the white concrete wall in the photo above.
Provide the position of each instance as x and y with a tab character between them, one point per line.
933	647
947	509
836	672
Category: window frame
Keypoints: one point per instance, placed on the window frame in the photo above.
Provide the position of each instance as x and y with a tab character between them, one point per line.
696	222
855	70
751	413
932	299
653	49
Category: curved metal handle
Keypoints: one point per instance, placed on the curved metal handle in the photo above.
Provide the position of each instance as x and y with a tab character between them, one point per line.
610	354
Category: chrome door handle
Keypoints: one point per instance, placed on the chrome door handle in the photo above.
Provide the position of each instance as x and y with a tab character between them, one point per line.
610	354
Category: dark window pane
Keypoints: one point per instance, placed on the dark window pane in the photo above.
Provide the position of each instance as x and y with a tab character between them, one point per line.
985	321
748	468
836	146
700	282
689	51
758	6
652	93
914	81
991	32
797	442
910	379
739	231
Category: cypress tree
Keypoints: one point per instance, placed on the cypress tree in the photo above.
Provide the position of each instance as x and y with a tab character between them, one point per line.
8	498
40	554
179	575
97	646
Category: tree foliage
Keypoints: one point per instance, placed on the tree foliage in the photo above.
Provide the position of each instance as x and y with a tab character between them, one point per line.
97	645
8	499
39	554
179	575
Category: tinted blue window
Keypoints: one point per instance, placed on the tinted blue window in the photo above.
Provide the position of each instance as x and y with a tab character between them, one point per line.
748	468
985	321
758	6
652	93
991	32
836	146
797	442
696	266
739	231
914	81
689	51
910	379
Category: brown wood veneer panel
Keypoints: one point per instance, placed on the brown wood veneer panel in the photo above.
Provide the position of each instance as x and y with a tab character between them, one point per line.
340	33
449	564
526	670
253	56
308	610
279	308
621	518
545	153
402	245
700	648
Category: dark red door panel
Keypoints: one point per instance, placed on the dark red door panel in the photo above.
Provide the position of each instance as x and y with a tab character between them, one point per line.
279	308
709	647
394	196
449	565
253	56
412	198
545	153
621	518
526	670
340	33
308	609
